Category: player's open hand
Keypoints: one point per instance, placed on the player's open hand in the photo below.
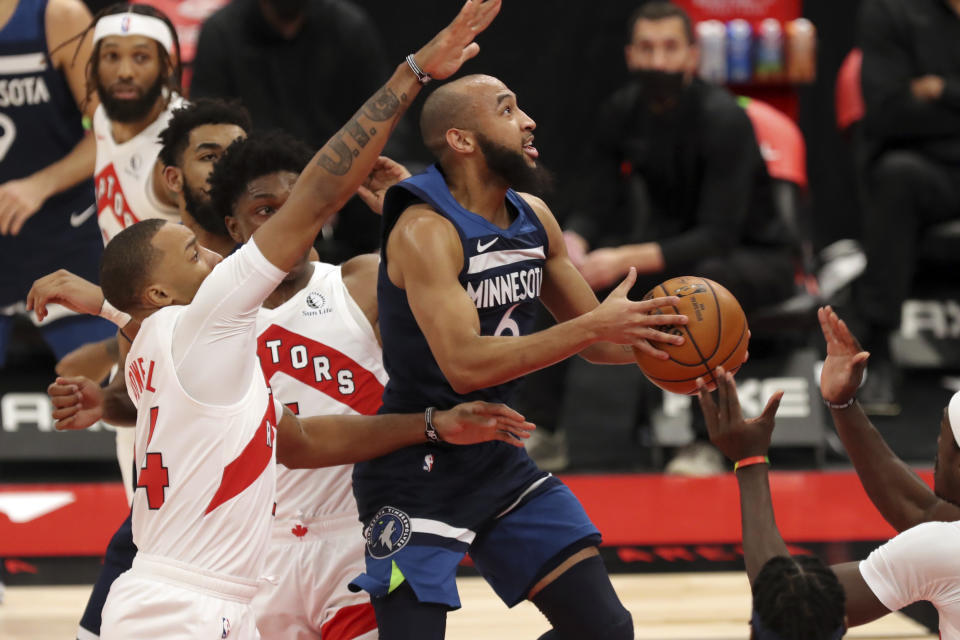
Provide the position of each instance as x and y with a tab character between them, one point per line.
729	431
77	403
843	368
67	289
623	321
385	174
445	54
19	199
475	422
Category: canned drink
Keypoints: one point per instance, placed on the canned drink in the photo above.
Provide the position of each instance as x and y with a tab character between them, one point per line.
769	63
712	40
801	51
739	45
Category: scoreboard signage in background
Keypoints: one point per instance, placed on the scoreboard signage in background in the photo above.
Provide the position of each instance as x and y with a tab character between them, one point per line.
27	432
753	11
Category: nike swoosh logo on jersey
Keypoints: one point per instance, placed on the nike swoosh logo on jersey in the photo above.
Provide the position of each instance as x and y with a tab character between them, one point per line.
483	247
77	219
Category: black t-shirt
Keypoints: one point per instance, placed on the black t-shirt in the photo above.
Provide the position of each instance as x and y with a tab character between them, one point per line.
691	179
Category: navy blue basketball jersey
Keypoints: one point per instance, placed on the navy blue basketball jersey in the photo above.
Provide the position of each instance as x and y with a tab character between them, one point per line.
502	273
40	124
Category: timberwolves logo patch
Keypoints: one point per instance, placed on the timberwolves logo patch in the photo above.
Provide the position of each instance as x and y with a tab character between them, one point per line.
316	304
387	533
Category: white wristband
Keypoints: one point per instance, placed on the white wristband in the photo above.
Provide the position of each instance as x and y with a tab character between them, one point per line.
114	315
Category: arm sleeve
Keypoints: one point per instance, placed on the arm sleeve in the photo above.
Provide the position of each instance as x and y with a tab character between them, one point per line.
218	329
893	114
730	162
918	564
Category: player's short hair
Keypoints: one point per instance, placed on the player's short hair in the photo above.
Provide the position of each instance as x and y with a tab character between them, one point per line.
176	136
257	155
661	10
126	264
799	598
173	72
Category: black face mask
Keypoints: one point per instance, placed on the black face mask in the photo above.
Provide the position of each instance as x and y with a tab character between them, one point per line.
288	10
660	88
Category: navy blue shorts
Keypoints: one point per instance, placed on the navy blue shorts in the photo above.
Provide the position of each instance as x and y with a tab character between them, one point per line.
509	552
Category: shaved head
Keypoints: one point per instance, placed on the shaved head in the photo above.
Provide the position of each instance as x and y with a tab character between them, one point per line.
454	106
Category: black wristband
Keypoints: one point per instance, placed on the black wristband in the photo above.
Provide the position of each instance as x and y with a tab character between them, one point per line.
429	430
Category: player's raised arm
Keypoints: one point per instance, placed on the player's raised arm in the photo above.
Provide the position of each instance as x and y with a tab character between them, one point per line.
335	172
897	492
324	441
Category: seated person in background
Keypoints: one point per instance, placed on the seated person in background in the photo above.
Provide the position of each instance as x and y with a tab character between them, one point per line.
911	90
675	186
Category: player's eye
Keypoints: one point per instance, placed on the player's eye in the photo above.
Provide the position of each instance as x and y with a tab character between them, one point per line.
265	211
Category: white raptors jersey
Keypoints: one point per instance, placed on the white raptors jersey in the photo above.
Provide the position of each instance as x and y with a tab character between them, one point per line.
124	174
320	356
206	475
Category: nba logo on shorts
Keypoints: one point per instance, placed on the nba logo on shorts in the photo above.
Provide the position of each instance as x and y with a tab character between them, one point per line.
387	533
124	27
428	462
225	624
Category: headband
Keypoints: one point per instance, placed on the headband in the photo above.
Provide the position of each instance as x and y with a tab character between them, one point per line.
953	413
134	24
762	633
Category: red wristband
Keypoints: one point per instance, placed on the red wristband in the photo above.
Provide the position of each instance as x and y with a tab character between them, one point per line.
746	462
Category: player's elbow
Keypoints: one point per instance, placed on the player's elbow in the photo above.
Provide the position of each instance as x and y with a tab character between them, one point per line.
463	381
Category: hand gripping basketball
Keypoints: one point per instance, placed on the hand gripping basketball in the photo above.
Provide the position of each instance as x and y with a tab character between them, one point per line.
717	335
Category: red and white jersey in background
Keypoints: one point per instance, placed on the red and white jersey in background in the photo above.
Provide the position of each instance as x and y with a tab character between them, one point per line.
205	474
320	356
123	174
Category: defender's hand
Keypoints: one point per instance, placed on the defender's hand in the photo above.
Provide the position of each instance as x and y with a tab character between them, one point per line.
63	287
602	267
445	54
736	437
476	422
19	199
385	174
623	321
843	368
77	403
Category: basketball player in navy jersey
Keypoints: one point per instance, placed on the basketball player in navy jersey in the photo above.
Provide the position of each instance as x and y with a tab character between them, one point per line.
466	258
47	211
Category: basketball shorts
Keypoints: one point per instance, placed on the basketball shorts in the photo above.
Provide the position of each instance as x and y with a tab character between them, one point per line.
304	593
117	559
161	599
510	551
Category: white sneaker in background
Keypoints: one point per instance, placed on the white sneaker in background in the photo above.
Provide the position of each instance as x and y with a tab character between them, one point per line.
697	459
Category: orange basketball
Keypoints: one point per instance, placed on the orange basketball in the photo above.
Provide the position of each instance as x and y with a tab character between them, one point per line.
716	335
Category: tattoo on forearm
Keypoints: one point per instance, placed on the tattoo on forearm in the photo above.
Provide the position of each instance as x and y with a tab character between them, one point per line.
382	106
343	161
336	156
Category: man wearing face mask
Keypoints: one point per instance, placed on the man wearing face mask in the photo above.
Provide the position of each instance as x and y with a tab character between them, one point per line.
675	186
255	51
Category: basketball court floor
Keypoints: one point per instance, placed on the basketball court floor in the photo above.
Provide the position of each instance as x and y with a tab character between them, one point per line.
675	606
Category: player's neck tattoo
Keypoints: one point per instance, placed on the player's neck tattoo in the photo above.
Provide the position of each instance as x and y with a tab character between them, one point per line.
337	156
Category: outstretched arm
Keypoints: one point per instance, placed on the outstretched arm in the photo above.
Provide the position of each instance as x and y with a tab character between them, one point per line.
335	172
324	441
741	439
899	494
424	257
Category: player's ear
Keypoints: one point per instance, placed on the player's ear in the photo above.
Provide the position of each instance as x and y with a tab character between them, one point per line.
157	296
460	140
173	178
233	228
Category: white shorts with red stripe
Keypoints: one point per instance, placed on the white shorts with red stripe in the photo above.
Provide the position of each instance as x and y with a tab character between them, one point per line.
159	598
304	595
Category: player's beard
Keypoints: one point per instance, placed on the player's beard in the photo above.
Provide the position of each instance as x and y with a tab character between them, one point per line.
130	110
201	208
512	167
